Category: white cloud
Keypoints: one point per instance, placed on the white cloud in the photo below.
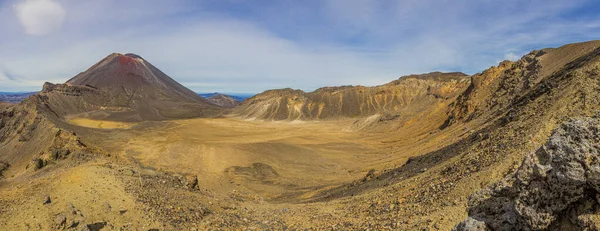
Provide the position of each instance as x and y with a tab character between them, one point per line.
227	55
511	56
40	17
328	44
12	84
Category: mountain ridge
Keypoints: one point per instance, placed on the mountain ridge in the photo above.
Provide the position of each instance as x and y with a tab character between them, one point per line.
222	100
352	101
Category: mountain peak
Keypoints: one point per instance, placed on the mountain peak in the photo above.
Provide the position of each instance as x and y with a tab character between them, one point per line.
130	59
130	81
132	55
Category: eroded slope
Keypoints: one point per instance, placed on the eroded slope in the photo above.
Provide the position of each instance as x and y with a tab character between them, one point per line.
407	95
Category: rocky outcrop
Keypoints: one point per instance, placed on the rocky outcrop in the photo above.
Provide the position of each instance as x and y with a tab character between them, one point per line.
554	187
496	89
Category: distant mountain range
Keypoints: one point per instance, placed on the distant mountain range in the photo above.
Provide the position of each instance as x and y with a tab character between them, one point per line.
14	97
237	96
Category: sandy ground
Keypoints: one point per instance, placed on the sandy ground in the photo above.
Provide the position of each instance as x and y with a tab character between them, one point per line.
221	152
90	123
89	194
252	174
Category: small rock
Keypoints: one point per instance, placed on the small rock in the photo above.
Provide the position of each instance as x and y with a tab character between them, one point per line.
74	224
191	182
97	226
470	224
60	220
47	200
369	175
107	206
36	164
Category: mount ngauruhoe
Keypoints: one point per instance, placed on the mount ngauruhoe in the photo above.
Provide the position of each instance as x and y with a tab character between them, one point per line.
122	146
126	88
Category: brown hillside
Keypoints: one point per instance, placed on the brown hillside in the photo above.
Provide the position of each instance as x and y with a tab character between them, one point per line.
497	88
408	94
224	101
32	137
506	113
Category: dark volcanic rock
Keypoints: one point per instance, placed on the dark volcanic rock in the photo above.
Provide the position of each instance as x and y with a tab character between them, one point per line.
36	164
47	200
555	184
97	226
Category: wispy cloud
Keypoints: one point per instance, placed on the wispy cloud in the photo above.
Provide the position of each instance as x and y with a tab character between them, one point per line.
250	46
40	17
511	56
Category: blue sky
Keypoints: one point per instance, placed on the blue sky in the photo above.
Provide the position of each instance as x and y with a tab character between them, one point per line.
249	46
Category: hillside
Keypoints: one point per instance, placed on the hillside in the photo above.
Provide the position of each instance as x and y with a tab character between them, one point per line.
222	100
409	94
497	88
506	113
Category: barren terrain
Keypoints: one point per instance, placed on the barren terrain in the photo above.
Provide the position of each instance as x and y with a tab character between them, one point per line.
425	152
260	166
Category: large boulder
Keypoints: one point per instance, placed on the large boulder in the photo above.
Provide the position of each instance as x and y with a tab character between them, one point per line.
557	183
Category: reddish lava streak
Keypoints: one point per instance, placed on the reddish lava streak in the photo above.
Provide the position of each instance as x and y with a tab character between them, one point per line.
126	60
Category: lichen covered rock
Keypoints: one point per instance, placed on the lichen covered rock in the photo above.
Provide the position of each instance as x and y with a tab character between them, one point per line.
551	186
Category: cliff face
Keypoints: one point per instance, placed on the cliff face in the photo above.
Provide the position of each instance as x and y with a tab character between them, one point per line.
409	93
